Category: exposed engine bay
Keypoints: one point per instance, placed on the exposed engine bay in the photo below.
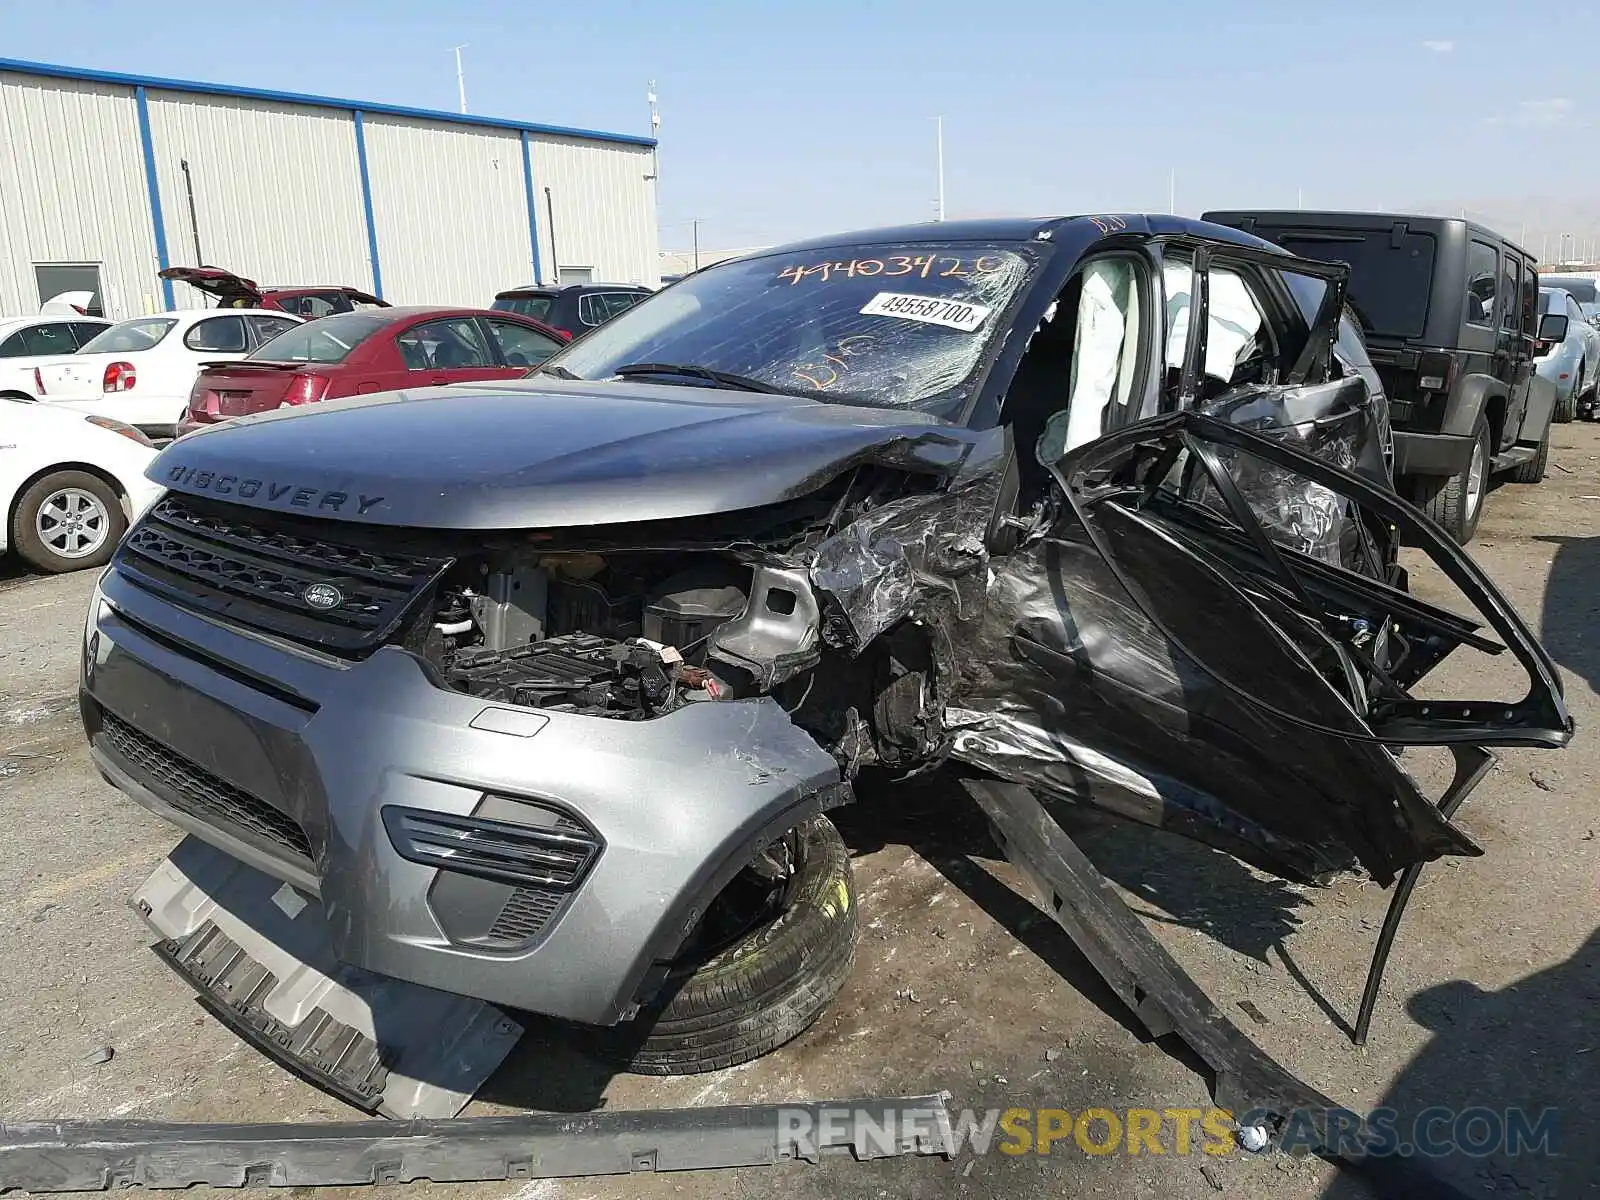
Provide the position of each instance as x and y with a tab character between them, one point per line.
576	633
634	635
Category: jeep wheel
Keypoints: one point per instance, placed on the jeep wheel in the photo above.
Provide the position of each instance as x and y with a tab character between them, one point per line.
769	956
1532	471
1565	409
1456	501
67	521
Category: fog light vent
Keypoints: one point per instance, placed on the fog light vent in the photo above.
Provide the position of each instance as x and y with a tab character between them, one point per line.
555	855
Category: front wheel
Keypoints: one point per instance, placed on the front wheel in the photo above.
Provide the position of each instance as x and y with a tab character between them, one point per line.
773	952
1456	501
67	521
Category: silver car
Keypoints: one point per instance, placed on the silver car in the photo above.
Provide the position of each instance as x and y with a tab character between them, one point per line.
1573	364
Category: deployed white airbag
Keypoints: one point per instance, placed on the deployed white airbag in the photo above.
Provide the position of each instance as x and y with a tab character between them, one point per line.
1233	319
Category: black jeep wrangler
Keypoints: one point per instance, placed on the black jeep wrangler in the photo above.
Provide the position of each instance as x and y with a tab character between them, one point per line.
1450	311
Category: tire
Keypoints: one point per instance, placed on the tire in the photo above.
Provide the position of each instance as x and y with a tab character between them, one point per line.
1568	408
1532	471
764	989
67	521
1450	500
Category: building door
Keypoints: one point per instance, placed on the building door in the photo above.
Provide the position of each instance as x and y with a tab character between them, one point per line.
73	281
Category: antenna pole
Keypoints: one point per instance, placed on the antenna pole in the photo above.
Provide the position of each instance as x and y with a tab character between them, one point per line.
461	76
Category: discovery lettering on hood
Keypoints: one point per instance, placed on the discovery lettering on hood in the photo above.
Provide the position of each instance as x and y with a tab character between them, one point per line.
275	492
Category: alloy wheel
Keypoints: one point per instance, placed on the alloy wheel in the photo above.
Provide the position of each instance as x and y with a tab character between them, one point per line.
72	523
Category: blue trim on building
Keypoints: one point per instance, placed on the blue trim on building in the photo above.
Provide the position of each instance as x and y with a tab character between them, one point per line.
533	205
142	104
366	202
140	82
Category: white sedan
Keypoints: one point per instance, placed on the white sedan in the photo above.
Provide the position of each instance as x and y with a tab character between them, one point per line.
69	484
141	371
28	341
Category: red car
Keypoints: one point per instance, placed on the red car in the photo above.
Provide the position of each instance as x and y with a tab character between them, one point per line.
306	301
378	350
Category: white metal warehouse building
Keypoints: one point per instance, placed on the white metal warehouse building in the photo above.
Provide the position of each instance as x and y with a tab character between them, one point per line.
97	171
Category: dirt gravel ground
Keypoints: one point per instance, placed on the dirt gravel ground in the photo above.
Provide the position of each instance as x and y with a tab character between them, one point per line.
960	983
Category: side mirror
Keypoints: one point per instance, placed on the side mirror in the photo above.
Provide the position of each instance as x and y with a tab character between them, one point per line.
1553	327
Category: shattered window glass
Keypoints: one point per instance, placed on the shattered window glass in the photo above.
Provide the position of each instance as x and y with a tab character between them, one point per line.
891	326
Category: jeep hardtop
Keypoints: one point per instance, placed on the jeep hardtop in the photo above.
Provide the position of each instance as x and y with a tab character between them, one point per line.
1450	312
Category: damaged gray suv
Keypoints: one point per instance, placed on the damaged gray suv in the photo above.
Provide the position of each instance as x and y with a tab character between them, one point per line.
542	690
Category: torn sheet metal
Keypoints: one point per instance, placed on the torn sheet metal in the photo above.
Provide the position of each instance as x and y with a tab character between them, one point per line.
1053	672
1335	422
86	1156
879	569
778	634
1064	684
257	951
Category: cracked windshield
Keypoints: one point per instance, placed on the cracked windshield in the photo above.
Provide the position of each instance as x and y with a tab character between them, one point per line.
887	326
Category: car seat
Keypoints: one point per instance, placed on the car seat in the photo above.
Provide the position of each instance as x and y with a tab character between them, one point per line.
452	354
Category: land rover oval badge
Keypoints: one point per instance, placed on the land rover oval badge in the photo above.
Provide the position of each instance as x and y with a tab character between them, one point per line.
323	595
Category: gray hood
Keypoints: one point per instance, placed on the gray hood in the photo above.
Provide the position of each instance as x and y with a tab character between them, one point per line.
546	454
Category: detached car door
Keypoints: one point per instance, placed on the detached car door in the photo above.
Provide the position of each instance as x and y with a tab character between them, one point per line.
1211	635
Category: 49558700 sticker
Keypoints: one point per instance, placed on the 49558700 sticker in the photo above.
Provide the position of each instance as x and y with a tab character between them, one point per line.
930	310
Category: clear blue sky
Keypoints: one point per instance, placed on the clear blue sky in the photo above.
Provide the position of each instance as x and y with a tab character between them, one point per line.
784	120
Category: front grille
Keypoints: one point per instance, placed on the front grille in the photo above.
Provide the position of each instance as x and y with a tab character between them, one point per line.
192	789
525	915
257	569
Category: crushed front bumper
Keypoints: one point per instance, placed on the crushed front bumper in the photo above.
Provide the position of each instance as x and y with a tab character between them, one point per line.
291	762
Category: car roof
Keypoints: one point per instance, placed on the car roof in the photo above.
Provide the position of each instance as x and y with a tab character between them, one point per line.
408	312
189	316
12	324
197	313
551	289
1301	218
1019	229
266	288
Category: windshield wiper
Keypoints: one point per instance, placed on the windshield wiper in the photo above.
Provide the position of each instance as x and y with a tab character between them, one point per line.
558	371
740	383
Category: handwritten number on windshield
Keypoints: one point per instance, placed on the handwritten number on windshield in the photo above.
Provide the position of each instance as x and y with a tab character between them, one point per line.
823	375
923	266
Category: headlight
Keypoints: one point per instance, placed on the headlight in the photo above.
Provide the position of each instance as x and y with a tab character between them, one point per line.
91	625
127	431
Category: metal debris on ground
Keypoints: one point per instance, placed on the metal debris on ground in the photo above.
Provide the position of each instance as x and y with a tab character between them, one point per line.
1210	1174
1250	1010
1540	782
78	1156
99	1055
